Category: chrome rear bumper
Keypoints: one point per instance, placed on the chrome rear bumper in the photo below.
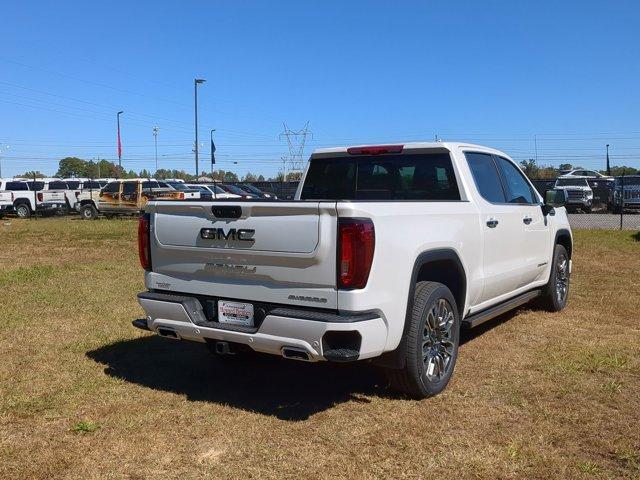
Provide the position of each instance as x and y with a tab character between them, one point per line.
280	329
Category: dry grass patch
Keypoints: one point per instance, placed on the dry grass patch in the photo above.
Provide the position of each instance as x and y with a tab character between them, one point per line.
84	395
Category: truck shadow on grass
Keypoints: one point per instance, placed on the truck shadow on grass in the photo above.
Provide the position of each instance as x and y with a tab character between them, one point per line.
266	384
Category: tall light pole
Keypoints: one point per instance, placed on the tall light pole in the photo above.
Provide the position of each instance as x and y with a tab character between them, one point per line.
119	142
196	81
608	164
213	151
155	140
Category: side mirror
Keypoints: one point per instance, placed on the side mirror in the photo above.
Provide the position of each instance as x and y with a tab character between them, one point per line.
554	198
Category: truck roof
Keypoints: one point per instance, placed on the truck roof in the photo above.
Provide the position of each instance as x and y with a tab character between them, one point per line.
449	146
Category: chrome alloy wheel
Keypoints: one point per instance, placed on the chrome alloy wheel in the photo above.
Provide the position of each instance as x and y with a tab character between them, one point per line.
562	278
437	340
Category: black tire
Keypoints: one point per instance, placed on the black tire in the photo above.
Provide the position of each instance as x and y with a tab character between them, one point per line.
556	292
617	210
427	373
23	210
88	212
587	209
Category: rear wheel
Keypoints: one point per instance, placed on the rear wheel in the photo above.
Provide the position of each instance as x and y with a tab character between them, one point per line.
556	292
431	344
88	212
23	210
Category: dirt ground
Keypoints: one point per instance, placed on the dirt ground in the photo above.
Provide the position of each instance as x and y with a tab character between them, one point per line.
85	395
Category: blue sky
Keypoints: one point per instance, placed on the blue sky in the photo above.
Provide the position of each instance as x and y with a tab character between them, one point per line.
492	72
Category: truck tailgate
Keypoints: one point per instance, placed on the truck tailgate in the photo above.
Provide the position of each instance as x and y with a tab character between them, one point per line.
276	252
53	196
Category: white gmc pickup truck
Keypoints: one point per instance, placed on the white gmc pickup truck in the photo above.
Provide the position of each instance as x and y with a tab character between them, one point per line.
385	253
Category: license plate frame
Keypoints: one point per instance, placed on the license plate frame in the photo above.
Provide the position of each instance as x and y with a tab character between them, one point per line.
231	312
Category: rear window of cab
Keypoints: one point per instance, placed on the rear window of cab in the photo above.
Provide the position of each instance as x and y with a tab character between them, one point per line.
417	176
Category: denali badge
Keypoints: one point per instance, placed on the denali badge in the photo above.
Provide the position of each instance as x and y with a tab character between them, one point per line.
303	298
241	235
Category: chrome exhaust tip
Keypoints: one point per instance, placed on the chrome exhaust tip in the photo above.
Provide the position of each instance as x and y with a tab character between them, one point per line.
295	353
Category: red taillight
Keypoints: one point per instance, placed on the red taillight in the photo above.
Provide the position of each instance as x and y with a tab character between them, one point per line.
40	196
77	195
375	150
181	195
356	243
144	240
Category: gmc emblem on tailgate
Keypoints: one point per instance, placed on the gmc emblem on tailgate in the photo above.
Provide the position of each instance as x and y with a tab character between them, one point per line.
239	235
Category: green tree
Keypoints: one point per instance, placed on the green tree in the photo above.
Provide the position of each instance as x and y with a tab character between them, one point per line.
622	170
249	177
31	173
72	167
565	166
230	177
260	178
530	168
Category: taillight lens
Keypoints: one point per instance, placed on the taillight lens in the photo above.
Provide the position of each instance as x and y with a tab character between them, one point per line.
356	244
40	197
144	240
181	195
77	195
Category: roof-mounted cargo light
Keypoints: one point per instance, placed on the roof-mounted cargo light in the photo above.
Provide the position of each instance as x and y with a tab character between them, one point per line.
375	150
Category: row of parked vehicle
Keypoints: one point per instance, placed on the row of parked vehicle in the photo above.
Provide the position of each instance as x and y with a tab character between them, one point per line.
108	196
586	193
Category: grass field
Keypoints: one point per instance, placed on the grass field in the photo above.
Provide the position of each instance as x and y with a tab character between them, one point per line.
85	395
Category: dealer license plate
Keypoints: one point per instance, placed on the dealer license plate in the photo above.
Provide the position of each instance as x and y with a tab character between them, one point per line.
236	313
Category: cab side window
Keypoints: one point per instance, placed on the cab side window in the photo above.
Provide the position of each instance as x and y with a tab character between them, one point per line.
485	174
517	188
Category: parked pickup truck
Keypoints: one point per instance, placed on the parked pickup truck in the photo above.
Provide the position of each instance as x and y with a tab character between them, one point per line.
6	203
26	200
385	253
579	193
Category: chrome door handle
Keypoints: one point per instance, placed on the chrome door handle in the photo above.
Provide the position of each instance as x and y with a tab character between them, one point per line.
492	223
527	220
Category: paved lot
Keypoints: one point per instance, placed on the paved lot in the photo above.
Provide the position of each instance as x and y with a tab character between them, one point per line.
631	221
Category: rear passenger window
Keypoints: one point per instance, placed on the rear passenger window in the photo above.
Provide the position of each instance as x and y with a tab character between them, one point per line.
17	186
518	189
486	176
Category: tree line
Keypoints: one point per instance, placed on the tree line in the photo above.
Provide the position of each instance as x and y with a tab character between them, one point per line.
71	167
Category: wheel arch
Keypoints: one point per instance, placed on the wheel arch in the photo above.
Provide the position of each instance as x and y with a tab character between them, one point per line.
563	237
441	265
87	202
22	201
